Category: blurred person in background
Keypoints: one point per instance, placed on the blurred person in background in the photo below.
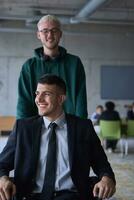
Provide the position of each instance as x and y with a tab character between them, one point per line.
112	115
130	112
96	115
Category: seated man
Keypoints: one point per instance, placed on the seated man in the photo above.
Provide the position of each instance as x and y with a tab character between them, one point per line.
110	114
130	113
52	153
95	117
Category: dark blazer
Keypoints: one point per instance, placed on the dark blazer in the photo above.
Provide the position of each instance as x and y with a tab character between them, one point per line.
22	151
130	115
110	115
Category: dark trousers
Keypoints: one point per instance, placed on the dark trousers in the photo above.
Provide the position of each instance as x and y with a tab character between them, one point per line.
60	195
111	144
66	195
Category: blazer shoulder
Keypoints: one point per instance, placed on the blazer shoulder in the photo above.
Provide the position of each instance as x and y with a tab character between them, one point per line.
76	119
30	120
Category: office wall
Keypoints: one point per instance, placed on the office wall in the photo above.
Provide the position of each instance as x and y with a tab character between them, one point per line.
96	47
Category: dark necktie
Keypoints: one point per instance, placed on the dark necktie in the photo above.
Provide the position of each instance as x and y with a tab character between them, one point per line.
50	174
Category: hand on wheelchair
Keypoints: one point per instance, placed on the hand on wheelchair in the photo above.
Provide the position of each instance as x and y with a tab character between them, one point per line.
103	189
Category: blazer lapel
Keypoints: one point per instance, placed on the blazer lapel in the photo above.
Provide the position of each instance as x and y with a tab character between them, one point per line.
71	137
36	137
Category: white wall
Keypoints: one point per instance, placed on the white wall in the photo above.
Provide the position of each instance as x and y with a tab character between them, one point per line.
15	48
95	48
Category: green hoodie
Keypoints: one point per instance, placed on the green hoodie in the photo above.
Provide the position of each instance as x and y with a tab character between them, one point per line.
68	67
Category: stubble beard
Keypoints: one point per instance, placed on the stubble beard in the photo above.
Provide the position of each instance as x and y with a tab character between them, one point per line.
52	46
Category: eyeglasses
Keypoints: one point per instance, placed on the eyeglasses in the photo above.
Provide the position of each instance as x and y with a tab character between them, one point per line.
46	31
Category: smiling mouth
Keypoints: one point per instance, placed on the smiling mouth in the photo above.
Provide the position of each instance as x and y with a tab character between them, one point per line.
50	41
42	105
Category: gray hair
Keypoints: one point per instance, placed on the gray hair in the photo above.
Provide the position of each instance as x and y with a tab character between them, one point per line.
49	18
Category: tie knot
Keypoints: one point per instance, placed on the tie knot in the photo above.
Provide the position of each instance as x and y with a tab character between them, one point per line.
53	125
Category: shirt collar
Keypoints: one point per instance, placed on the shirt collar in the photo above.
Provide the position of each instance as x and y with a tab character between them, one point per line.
60	121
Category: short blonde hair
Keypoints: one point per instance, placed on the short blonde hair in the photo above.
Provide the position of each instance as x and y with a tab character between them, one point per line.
49	18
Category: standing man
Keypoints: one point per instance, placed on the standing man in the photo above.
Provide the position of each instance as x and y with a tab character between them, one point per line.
51	154
53	59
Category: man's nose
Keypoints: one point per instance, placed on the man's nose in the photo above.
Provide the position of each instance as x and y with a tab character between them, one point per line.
40	98
50	33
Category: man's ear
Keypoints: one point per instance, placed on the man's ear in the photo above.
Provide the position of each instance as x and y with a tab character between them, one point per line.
38	35
62	99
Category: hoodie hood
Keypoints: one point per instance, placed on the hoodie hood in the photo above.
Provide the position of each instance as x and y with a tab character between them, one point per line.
40	54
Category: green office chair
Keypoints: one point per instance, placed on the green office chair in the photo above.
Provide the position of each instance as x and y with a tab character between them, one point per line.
130	133
110	130
130	128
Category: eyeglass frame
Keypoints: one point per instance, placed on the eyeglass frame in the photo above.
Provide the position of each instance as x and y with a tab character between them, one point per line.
46	31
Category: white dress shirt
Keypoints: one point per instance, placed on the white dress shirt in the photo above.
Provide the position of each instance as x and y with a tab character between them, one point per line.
63	178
